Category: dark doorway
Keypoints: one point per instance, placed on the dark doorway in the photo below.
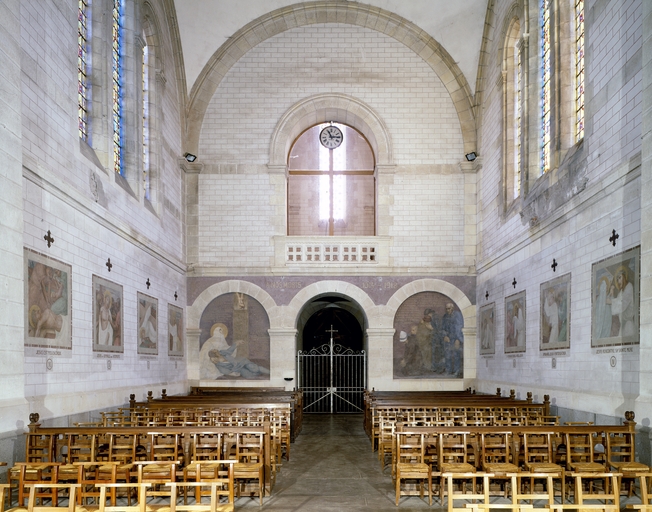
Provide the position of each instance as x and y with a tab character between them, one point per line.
316	332
332	363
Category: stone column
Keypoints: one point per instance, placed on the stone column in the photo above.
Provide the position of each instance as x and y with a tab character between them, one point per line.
380	357
192	358
191	172
282	357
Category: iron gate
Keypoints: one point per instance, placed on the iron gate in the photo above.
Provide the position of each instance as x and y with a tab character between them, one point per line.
332	378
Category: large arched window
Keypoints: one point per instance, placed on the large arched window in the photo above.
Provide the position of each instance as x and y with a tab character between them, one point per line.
512	112
331	190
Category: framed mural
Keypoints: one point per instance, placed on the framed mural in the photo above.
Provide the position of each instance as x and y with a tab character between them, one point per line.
515	323
428	339
48	301
488	329
615	299
175	331
147	324
234	339
555	314
107	316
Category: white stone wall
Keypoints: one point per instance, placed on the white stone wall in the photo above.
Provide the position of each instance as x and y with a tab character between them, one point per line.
425	211
54	193
576	235
235	220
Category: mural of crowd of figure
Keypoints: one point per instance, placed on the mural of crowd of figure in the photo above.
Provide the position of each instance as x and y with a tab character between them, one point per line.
435	345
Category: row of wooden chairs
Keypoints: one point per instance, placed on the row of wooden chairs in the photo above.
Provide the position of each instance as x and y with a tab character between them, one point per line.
431	455
526	495
279	420
218	492
385	418
63	452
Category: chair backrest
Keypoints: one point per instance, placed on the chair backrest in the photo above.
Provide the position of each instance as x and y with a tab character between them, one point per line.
610	497
496	447
81	447
122	448
53	506
138	504
164	446
250	447
537	447
453	448
580	448
206	446
621	447
410	447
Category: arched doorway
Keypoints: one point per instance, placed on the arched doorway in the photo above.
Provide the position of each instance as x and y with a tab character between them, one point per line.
331	360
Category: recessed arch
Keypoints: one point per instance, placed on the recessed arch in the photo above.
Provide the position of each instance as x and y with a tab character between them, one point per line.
195	311
309	13
432	285
322	108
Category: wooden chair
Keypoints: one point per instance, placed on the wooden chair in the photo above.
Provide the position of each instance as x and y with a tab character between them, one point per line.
215	489
453	495
496	456
156	474
411	464
249	464
604	500
621	456
90	474
42	489
386	440
645	480
454	458
139	502
38	474
580	451
538	456
211	471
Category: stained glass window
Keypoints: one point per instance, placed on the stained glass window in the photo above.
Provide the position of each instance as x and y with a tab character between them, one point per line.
546	74
82	68
145	76
117	52
579	69
517	119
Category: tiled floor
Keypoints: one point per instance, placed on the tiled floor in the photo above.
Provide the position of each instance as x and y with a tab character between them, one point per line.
332	468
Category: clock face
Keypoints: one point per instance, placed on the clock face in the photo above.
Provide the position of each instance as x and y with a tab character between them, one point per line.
331	137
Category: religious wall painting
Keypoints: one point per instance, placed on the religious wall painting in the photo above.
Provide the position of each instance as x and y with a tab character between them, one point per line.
107	316
234	339
428	339
615	300
488	329
555	317
48	301
175	331
147	324
515	323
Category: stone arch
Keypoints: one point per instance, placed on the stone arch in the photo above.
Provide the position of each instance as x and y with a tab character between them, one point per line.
330	107
308	13
195	311
431	285
307	294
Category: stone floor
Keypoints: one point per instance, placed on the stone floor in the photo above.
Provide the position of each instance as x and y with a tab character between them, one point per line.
332	468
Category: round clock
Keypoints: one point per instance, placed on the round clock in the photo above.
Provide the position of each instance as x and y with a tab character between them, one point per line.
331	137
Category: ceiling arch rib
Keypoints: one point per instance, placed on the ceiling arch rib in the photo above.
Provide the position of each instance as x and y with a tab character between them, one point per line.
335	11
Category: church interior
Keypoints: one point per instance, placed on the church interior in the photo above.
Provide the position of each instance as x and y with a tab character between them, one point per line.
215	193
